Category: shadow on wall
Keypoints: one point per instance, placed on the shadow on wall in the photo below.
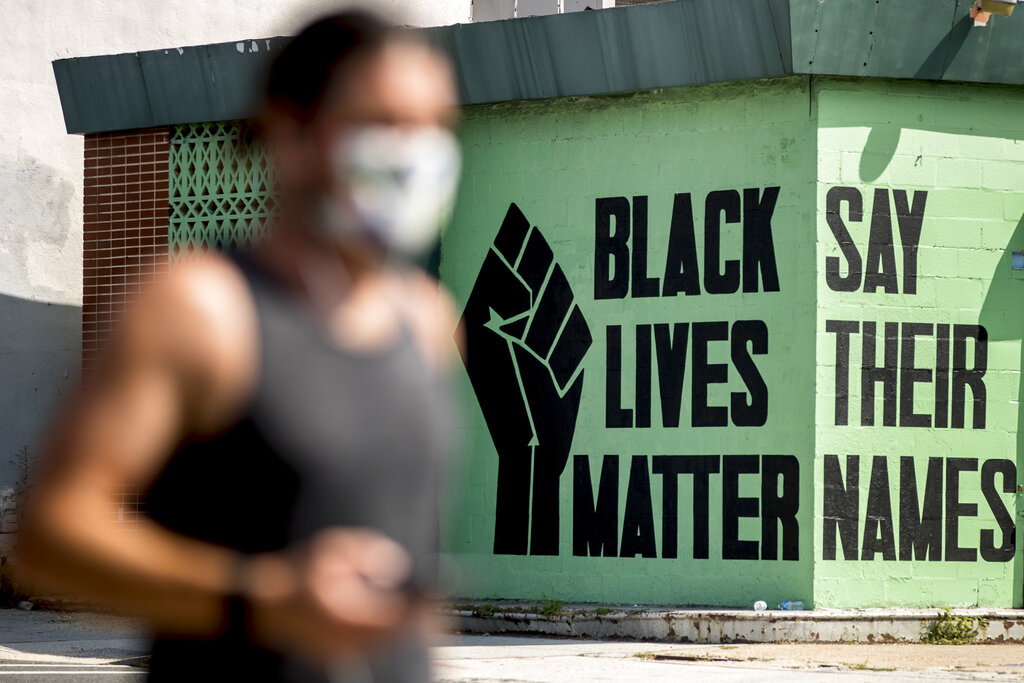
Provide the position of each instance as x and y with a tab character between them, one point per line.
40	358
1002	316
882	141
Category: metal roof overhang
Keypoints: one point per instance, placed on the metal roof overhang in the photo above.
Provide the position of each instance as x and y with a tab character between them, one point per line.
666	44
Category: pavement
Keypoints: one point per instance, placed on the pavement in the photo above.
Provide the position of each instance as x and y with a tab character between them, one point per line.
81	638
552	660
716	625
80	646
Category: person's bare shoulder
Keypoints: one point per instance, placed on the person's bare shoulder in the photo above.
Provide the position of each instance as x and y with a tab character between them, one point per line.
432	314
198	320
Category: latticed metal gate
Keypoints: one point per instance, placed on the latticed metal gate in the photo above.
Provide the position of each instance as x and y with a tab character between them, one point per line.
219	187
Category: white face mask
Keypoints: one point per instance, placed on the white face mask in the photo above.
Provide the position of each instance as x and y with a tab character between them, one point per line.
394	187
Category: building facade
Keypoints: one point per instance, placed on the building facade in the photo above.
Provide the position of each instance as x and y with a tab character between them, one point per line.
42	176
741	291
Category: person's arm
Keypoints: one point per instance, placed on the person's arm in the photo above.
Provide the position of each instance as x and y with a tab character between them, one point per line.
182	363
430	312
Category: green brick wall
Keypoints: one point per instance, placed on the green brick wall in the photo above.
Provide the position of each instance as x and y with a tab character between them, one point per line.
959	150
555	160
578	170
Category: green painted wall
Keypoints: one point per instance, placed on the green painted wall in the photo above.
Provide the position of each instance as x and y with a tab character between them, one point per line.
563	163
959	150
554	160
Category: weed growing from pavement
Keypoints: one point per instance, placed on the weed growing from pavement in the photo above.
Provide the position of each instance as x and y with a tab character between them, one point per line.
601	611
953	630
488	609
863	666
549	608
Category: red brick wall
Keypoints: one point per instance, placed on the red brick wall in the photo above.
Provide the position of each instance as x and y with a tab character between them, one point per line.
126	221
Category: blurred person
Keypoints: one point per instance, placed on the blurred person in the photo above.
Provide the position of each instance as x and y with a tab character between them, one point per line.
285	410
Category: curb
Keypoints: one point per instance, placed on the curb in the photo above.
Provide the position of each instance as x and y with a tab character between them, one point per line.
66	603
712	626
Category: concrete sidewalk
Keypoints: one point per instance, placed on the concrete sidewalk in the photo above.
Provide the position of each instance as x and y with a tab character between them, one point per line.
82	638
69	637
523	659
41	635
711	625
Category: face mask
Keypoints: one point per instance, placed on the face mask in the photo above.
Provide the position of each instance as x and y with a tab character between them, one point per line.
394	187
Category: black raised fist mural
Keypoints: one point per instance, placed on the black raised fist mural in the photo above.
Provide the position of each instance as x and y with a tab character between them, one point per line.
525	340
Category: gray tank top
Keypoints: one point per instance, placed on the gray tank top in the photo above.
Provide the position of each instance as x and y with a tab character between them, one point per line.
329	438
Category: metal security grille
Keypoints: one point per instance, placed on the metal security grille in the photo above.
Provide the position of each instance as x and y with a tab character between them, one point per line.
219	187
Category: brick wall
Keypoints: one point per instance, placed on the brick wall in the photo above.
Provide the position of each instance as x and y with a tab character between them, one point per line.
126	219
915	509
878	142
558	159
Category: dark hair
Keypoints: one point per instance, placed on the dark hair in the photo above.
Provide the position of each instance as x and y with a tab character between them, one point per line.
301	74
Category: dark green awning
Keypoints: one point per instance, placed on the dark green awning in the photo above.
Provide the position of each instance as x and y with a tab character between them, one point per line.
673	43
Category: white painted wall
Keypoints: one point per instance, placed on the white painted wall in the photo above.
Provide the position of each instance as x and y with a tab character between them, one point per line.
41	168
495	10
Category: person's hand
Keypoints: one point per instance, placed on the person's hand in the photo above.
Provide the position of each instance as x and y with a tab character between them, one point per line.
342	593
524	342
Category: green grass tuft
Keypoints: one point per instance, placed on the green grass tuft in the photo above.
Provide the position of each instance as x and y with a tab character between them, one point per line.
549	607
953	630
488	609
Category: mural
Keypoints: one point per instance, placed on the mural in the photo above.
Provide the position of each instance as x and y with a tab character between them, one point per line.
801	353
956	372
525	339
918	374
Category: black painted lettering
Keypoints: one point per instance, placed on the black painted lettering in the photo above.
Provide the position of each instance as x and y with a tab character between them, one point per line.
920	527
643	286
910	219
643	376
842	329
595	528
962	377
671	354
705	373
701	467
670	467
955	509
909	375
638	520
779	509
716	280
878	527
681	271
614	414
833	203
758	245
880	270
734	506
755	412
840	507
871	373
611	249
1005	551
941	376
